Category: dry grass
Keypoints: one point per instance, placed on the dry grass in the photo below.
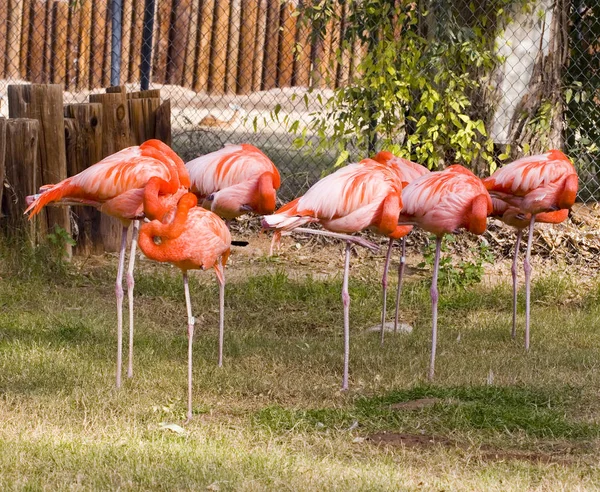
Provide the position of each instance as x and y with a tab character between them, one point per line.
273	418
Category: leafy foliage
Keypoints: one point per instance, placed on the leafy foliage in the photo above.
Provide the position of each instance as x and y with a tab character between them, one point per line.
412	92
458	273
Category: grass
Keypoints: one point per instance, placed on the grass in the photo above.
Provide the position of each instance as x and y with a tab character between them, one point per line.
273	417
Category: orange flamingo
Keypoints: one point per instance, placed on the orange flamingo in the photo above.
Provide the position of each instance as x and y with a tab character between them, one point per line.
356	197
409	171
441	203
115	186
235	180
195	239
524	190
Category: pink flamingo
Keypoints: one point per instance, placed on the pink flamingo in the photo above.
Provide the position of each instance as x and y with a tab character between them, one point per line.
442	203
194	239
408	172
115	186
366	195
235	180
524	190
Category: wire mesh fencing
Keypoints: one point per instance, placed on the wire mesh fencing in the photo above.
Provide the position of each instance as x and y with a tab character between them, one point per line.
261	72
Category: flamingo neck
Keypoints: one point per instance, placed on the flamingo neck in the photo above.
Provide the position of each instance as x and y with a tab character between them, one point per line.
477	217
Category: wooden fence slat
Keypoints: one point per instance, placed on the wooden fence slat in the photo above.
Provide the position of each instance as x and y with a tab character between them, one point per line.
287	44
191	50
162	130
271	45
24	41
135	58
233	47
60	20
302	62
89	152
178	41
45	104
343	68
205	40
13	38
127	21
218	56
247	45
47	43
161	43
84	45
37	41
3	34
22	170
74	21
259	50
107	47
97	44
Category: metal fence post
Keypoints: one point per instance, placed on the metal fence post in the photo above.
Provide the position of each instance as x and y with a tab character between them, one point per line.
115	53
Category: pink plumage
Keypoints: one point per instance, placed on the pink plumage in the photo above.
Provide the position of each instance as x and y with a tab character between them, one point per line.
235	180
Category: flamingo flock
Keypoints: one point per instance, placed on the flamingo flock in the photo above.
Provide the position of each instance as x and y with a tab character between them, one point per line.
386	194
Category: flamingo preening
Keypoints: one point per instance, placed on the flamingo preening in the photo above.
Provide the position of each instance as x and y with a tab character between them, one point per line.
115	186
194	238
235	180
441	203
365	195
540	187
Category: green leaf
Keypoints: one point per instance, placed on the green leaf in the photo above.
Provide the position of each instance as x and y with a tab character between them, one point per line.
343	157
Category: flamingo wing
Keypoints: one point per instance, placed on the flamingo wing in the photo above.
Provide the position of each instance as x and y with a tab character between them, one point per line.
231	165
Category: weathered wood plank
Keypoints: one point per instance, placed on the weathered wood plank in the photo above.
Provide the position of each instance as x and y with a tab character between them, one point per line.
13	38
142	115
218	56
247	45
204	45
162	130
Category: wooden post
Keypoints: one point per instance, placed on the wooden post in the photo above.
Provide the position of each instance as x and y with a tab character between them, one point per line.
233	47
142	113
115	136
162	130
88	152
259	46
21	174
271	46
247	45
13	40
205	36
2	157
152	93
45	104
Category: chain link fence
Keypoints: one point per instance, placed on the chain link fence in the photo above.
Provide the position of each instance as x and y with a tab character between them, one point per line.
248	70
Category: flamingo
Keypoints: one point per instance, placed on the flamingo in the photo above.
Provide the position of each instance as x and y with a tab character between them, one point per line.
194	239
443	202
115	186
356	197
409	171
235	180
524	190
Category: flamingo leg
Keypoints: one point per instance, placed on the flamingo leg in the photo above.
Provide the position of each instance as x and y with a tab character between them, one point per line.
119	294
221	281
434	306
346	303
513	270
344	237
400	275
130	285
384	284
527	268
191	322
